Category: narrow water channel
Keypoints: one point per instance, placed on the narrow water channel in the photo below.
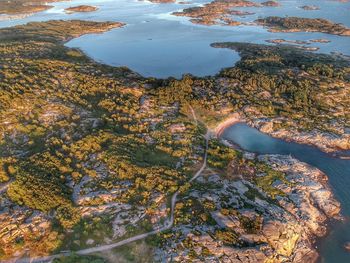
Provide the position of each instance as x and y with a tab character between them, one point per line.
338	170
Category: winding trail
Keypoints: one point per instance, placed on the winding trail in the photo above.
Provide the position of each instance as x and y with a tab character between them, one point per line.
168	224
193	115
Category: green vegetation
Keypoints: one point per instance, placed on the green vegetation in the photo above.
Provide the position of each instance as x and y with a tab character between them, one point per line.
6	169
14	7
139	251
292	24
33	181
305	90
267	177
77	136
193	211
65	118
252	226
219	155
228	237
98	229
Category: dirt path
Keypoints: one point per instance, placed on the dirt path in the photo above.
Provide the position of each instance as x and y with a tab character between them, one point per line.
193	115
168	224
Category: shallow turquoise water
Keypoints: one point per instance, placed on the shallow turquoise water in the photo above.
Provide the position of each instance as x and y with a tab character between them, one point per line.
338	171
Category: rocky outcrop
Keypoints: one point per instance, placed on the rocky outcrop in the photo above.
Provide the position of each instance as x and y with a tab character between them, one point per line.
20	225
284	229
270	3
301	24
347	246
327	142
337	140
80	8
216	12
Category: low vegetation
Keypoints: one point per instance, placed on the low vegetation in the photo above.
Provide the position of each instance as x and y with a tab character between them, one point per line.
15	7
88	151
297	24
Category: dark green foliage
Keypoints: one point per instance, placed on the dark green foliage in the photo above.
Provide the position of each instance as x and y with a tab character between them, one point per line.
38	188
302	24
220	155
228	237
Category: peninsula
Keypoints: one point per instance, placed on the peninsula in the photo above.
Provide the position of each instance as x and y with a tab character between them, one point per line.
300	24
95	158
80	8
20	7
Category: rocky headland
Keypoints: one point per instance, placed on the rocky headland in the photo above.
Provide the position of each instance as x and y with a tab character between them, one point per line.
325	141
217	12
310	7
14	8
80	8
90	154
300	24
330	136
241	221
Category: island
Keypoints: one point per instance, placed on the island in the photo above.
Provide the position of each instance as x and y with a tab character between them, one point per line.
217	12
95	158
271	3
310	7
80	8
17	8
300	24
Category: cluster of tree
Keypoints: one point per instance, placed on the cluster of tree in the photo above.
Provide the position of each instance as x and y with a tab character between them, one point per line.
175	91
302	24
219	155
67	117
192	211
228	236
266	181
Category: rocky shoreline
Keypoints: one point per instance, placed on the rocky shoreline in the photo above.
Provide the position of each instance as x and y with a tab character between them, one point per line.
217	12
80	9
326	142
253	208
288	226
24	8
309	198
299	24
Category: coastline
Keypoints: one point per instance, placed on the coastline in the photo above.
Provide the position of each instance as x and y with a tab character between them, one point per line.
338	147
328	208
6	17
236	118
226	123
327	143
32	9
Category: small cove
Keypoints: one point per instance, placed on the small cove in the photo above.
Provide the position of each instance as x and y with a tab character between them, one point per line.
155	43
338	172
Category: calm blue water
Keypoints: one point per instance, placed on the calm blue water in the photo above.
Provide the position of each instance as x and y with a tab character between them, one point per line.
156	43
338	171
